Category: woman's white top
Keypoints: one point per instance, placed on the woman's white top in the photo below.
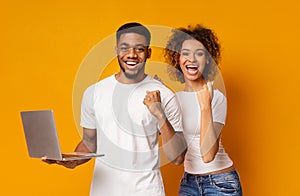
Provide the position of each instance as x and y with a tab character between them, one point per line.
191	125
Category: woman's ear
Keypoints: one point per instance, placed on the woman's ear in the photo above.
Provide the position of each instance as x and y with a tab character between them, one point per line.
207	62
209	58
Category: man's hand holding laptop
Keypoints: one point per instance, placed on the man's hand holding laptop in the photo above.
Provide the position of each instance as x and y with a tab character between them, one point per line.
88	144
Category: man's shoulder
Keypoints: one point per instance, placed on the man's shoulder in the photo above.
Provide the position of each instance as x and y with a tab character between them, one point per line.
106	80
101	83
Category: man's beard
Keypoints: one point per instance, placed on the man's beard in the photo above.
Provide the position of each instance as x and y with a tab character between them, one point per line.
130	76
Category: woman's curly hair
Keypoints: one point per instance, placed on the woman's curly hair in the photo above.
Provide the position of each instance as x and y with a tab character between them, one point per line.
206	37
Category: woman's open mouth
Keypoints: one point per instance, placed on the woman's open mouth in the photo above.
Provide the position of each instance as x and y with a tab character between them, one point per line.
192	69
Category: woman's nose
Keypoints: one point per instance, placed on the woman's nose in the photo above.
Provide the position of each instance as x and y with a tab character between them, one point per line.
192	58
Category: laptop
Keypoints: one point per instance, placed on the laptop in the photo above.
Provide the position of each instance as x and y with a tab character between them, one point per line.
42	140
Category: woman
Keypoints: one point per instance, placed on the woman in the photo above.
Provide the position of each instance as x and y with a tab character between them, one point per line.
194	52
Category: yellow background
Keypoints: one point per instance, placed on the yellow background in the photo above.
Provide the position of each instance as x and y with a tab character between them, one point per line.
44	42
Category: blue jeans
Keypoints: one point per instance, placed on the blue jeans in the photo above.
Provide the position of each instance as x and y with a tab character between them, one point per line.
227	183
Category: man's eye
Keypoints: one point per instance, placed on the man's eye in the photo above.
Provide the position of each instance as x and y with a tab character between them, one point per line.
140	49
124	49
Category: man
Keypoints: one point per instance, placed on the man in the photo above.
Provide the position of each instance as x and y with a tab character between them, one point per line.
122	117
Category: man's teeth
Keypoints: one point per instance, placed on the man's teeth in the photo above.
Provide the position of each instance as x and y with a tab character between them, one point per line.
131	63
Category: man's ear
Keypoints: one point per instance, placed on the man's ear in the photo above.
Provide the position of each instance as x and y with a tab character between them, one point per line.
149	53
116	51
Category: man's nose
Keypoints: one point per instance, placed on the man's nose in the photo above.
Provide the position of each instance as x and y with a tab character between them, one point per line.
132	53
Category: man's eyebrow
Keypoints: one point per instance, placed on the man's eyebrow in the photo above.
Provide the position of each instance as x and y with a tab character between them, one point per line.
126	44
141	45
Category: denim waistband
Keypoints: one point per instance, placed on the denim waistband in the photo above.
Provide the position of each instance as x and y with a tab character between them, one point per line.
204	177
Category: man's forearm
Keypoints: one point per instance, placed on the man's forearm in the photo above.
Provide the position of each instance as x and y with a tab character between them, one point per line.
173	143
87	144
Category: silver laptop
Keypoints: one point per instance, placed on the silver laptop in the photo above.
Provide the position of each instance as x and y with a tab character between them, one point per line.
42	140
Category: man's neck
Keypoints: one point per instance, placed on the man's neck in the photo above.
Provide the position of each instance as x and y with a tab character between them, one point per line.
121	77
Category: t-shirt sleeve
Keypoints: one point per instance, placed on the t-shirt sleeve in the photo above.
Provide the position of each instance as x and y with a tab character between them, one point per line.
88	119
174	114
219	107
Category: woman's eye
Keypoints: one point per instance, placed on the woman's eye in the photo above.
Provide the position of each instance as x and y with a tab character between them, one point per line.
185	54
199	54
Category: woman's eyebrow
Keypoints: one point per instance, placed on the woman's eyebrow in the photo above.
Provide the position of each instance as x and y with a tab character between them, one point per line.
184	49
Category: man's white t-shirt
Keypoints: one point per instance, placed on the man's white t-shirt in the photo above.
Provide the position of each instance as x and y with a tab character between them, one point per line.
127	133
191	123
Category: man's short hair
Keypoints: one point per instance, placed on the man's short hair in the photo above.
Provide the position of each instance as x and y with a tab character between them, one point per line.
134	27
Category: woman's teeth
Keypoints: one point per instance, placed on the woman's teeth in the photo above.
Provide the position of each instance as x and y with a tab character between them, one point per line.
191	69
